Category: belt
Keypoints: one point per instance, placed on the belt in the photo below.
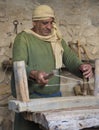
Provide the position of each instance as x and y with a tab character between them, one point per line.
57	94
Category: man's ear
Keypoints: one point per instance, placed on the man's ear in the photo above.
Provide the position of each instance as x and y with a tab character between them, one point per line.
34	23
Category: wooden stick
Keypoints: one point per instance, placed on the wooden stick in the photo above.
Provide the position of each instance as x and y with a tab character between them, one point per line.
21	81
85	86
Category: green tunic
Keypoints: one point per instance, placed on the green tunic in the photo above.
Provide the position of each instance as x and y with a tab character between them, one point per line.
38	55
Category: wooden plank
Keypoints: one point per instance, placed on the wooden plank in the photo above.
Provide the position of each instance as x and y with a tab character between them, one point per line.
21	81
72	119
96	91
46	104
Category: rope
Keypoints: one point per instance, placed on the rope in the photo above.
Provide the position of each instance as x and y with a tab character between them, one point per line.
61	76
79	81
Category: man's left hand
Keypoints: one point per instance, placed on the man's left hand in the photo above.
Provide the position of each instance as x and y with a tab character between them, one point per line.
86	70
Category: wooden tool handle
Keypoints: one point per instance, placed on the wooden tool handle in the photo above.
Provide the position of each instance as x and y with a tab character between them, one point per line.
49	75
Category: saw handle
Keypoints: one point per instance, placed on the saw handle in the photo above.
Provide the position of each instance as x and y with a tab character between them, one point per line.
49	75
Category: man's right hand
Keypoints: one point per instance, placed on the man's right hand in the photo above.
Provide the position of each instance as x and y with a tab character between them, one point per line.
39	76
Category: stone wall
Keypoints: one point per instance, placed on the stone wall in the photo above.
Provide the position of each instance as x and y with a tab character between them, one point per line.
78	21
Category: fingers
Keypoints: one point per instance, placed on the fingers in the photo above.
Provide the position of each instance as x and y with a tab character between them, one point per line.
87	70
88	74
39	77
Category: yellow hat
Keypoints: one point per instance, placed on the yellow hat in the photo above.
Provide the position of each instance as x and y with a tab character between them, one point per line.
42	12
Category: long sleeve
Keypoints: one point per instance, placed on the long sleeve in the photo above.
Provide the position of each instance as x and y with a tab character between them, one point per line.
70	60
20	51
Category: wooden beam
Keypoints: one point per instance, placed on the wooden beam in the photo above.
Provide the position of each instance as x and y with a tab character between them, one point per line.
96	91
76	119
21	81
46	104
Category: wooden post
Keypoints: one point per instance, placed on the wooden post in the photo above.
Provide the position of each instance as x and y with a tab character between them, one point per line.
96	91
21	81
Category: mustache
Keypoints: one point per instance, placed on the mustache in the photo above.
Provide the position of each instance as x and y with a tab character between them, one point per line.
47	30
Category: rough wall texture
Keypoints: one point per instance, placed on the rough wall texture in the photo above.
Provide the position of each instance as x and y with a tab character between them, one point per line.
78	20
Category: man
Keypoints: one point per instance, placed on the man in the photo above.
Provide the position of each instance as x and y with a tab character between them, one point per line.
43	50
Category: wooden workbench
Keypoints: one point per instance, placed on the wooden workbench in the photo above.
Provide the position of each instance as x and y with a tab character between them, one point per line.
66	113
60	113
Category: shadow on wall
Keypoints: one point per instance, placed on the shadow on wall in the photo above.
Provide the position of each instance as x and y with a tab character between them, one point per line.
92	128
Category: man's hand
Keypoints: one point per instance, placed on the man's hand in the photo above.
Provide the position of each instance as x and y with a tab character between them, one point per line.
86	70
40	77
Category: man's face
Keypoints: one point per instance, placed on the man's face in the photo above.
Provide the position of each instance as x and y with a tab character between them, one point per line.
43	27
